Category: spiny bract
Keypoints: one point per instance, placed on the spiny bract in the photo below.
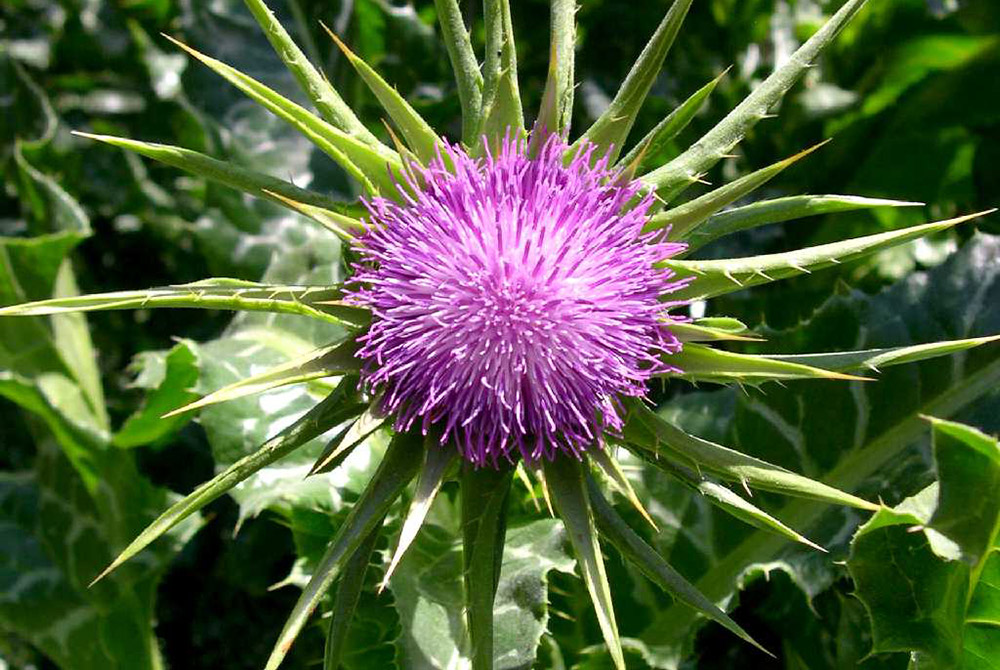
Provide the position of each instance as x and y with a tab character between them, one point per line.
511	297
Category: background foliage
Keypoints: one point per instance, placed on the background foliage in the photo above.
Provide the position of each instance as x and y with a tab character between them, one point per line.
910	96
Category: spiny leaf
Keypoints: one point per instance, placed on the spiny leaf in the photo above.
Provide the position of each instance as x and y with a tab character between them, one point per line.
522	475
545	491
683	219
419	135
766	212
437	460
346	601
611	129
948	301
633	548
671	126
725	499
876	359
327	414
557	99
691	451
464	64
371	166
484	528
343	226
398	466
346	440
501	112
700	363
729	501
684	170
717	277
565	479
323	95
228	174
335	359
609	465
318	302
716	329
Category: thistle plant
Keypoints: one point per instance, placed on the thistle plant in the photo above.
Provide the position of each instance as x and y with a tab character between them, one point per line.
512	295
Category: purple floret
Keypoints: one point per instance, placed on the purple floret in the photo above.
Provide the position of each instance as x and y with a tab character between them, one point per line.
513	299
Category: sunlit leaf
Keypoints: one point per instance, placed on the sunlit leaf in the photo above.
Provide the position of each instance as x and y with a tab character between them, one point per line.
716	277
318	302
484	530
671	126
501	111
611	129
326	98
672	178
399	465
324	416
767	212
565	479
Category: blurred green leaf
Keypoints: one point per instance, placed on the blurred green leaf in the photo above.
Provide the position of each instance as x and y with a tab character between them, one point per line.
169	378
55	534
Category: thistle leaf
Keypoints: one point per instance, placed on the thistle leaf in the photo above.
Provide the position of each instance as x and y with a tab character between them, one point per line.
565	479
422	139
717	277
610	467
335	359
683	219
484	528
522	475
399	465
766	212
343	226
699	363
346	601
726	499
464	64
729	501
501	112
321	418
671	126
253	183
834	433
611	129
345	441
324	96
876	359
713	330
691	451
318	302
633	548
678	174
963	453
557	99
437	461
371	166
937	597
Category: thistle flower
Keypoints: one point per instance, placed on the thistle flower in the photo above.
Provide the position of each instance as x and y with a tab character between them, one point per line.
512	299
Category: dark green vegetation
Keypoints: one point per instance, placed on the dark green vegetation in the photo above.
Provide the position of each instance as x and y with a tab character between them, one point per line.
909	94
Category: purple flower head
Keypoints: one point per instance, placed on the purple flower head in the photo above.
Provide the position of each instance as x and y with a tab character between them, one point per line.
513	298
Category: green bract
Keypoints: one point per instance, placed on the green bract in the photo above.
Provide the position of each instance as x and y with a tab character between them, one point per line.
416	469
